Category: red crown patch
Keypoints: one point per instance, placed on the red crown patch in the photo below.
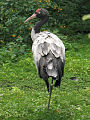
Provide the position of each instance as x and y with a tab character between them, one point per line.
38	10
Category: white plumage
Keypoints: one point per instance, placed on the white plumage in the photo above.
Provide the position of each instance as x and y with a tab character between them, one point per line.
56	46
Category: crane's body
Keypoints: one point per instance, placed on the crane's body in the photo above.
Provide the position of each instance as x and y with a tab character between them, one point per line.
48	51
49	55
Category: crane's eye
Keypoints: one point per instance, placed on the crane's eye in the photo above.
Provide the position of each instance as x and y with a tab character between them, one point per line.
38	12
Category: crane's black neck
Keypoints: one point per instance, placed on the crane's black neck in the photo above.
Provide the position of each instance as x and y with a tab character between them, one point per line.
39	24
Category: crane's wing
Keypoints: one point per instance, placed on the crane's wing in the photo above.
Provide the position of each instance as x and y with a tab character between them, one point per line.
43	48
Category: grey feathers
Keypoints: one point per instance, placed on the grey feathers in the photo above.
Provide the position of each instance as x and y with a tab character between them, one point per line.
51	66
50	63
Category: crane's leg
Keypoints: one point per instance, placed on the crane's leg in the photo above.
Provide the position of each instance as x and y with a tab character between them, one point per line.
58	82
51	87
47	84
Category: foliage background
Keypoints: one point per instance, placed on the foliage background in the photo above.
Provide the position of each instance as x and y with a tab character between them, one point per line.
65	16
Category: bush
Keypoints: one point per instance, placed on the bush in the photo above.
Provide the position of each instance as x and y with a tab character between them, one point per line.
64	15
12	19
70	16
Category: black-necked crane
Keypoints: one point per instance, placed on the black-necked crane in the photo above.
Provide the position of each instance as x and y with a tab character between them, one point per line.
48	51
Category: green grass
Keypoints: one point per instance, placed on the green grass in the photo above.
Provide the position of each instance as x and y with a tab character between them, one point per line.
23	95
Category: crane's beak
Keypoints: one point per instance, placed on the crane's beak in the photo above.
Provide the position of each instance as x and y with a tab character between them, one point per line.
31	17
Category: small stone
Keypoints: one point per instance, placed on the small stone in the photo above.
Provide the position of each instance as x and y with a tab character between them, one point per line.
74	78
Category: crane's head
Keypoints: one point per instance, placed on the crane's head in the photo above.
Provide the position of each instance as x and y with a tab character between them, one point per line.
39	13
